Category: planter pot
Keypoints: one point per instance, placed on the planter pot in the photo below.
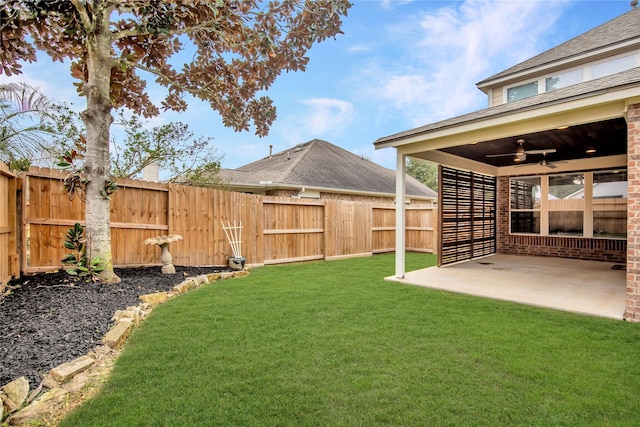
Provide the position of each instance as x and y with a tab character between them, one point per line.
236	263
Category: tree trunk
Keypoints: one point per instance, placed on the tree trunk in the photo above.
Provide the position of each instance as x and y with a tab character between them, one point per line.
97	119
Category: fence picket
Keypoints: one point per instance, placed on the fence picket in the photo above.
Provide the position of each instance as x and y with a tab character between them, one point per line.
275	229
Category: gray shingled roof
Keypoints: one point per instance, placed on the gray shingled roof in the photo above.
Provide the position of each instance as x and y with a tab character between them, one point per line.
618	30
588	88
320	164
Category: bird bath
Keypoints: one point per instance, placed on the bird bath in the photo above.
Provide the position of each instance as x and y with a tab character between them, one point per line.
165	256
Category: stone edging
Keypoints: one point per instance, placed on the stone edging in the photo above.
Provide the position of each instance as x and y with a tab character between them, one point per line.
65	383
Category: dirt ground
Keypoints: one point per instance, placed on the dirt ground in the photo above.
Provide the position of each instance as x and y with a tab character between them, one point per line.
50	319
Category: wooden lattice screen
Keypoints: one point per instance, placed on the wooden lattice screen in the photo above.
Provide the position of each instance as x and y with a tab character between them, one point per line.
467	215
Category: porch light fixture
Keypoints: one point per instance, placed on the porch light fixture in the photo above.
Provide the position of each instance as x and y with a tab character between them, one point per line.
563	127
590	151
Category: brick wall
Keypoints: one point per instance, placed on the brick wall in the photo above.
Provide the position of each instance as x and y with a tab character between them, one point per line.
552	246
632	312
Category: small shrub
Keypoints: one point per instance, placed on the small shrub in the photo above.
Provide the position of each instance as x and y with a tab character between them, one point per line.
77	263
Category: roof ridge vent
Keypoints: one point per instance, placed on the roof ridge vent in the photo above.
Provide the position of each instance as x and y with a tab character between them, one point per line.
634	3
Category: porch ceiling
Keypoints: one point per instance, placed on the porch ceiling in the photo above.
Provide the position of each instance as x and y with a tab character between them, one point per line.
608	137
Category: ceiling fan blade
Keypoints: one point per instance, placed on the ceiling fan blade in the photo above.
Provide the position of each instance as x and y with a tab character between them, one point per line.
550	166
545	151
502	155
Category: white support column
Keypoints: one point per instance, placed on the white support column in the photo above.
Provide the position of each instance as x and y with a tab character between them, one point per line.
544	205
400	214
588	205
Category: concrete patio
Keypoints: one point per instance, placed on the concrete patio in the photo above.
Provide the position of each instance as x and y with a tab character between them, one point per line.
588	287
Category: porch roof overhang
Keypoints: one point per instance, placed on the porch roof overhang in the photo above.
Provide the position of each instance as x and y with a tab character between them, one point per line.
562	119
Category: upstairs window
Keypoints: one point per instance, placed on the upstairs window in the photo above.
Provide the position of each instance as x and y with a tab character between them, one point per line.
523	91
613	66
563	80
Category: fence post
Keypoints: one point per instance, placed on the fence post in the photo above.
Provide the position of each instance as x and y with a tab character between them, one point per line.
8	225
14	267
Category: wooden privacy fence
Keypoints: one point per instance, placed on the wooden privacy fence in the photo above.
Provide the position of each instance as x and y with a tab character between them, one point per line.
8	226
274	229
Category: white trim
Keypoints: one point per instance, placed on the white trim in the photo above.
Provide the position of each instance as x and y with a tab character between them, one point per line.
587	221
571	62
545	210
544	205
586	74
400	214
608	104
505	89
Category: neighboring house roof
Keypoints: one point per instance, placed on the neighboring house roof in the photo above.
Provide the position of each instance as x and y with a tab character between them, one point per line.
620	30
320	165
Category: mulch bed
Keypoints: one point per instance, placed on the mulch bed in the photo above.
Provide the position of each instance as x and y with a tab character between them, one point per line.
50	319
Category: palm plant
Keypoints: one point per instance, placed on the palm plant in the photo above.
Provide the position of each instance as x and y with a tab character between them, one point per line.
23	114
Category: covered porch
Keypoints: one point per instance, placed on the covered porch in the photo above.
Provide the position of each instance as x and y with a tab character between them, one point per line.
589	287
502	173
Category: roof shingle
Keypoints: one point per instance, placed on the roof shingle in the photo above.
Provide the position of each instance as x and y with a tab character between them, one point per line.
623	28
320	164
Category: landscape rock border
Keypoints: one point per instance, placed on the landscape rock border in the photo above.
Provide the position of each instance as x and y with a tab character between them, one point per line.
74	381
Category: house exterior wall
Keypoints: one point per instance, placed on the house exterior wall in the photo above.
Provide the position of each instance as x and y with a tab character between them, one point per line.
610	250
497	97
632	312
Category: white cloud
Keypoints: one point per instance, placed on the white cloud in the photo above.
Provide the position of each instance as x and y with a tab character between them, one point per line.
388	4
435	58
46	82
326	115
405	90
361	47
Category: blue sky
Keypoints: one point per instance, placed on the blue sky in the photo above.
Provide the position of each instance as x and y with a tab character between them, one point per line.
399	64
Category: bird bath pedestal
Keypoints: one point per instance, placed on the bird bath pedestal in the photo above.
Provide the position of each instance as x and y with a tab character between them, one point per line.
165	256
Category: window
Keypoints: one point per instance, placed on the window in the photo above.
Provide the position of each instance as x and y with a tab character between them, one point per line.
584	204
523	91
593	70
563	80
566	204
525	205
613	66
610	204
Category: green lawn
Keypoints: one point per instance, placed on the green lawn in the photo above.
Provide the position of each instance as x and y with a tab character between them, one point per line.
333	344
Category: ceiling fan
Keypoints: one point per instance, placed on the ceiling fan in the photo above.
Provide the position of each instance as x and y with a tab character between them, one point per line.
543	162
521	154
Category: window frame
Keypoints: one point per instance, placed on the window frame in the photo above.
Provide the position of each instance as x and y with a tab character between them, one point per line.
522	84
586	74
533	209
545	210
